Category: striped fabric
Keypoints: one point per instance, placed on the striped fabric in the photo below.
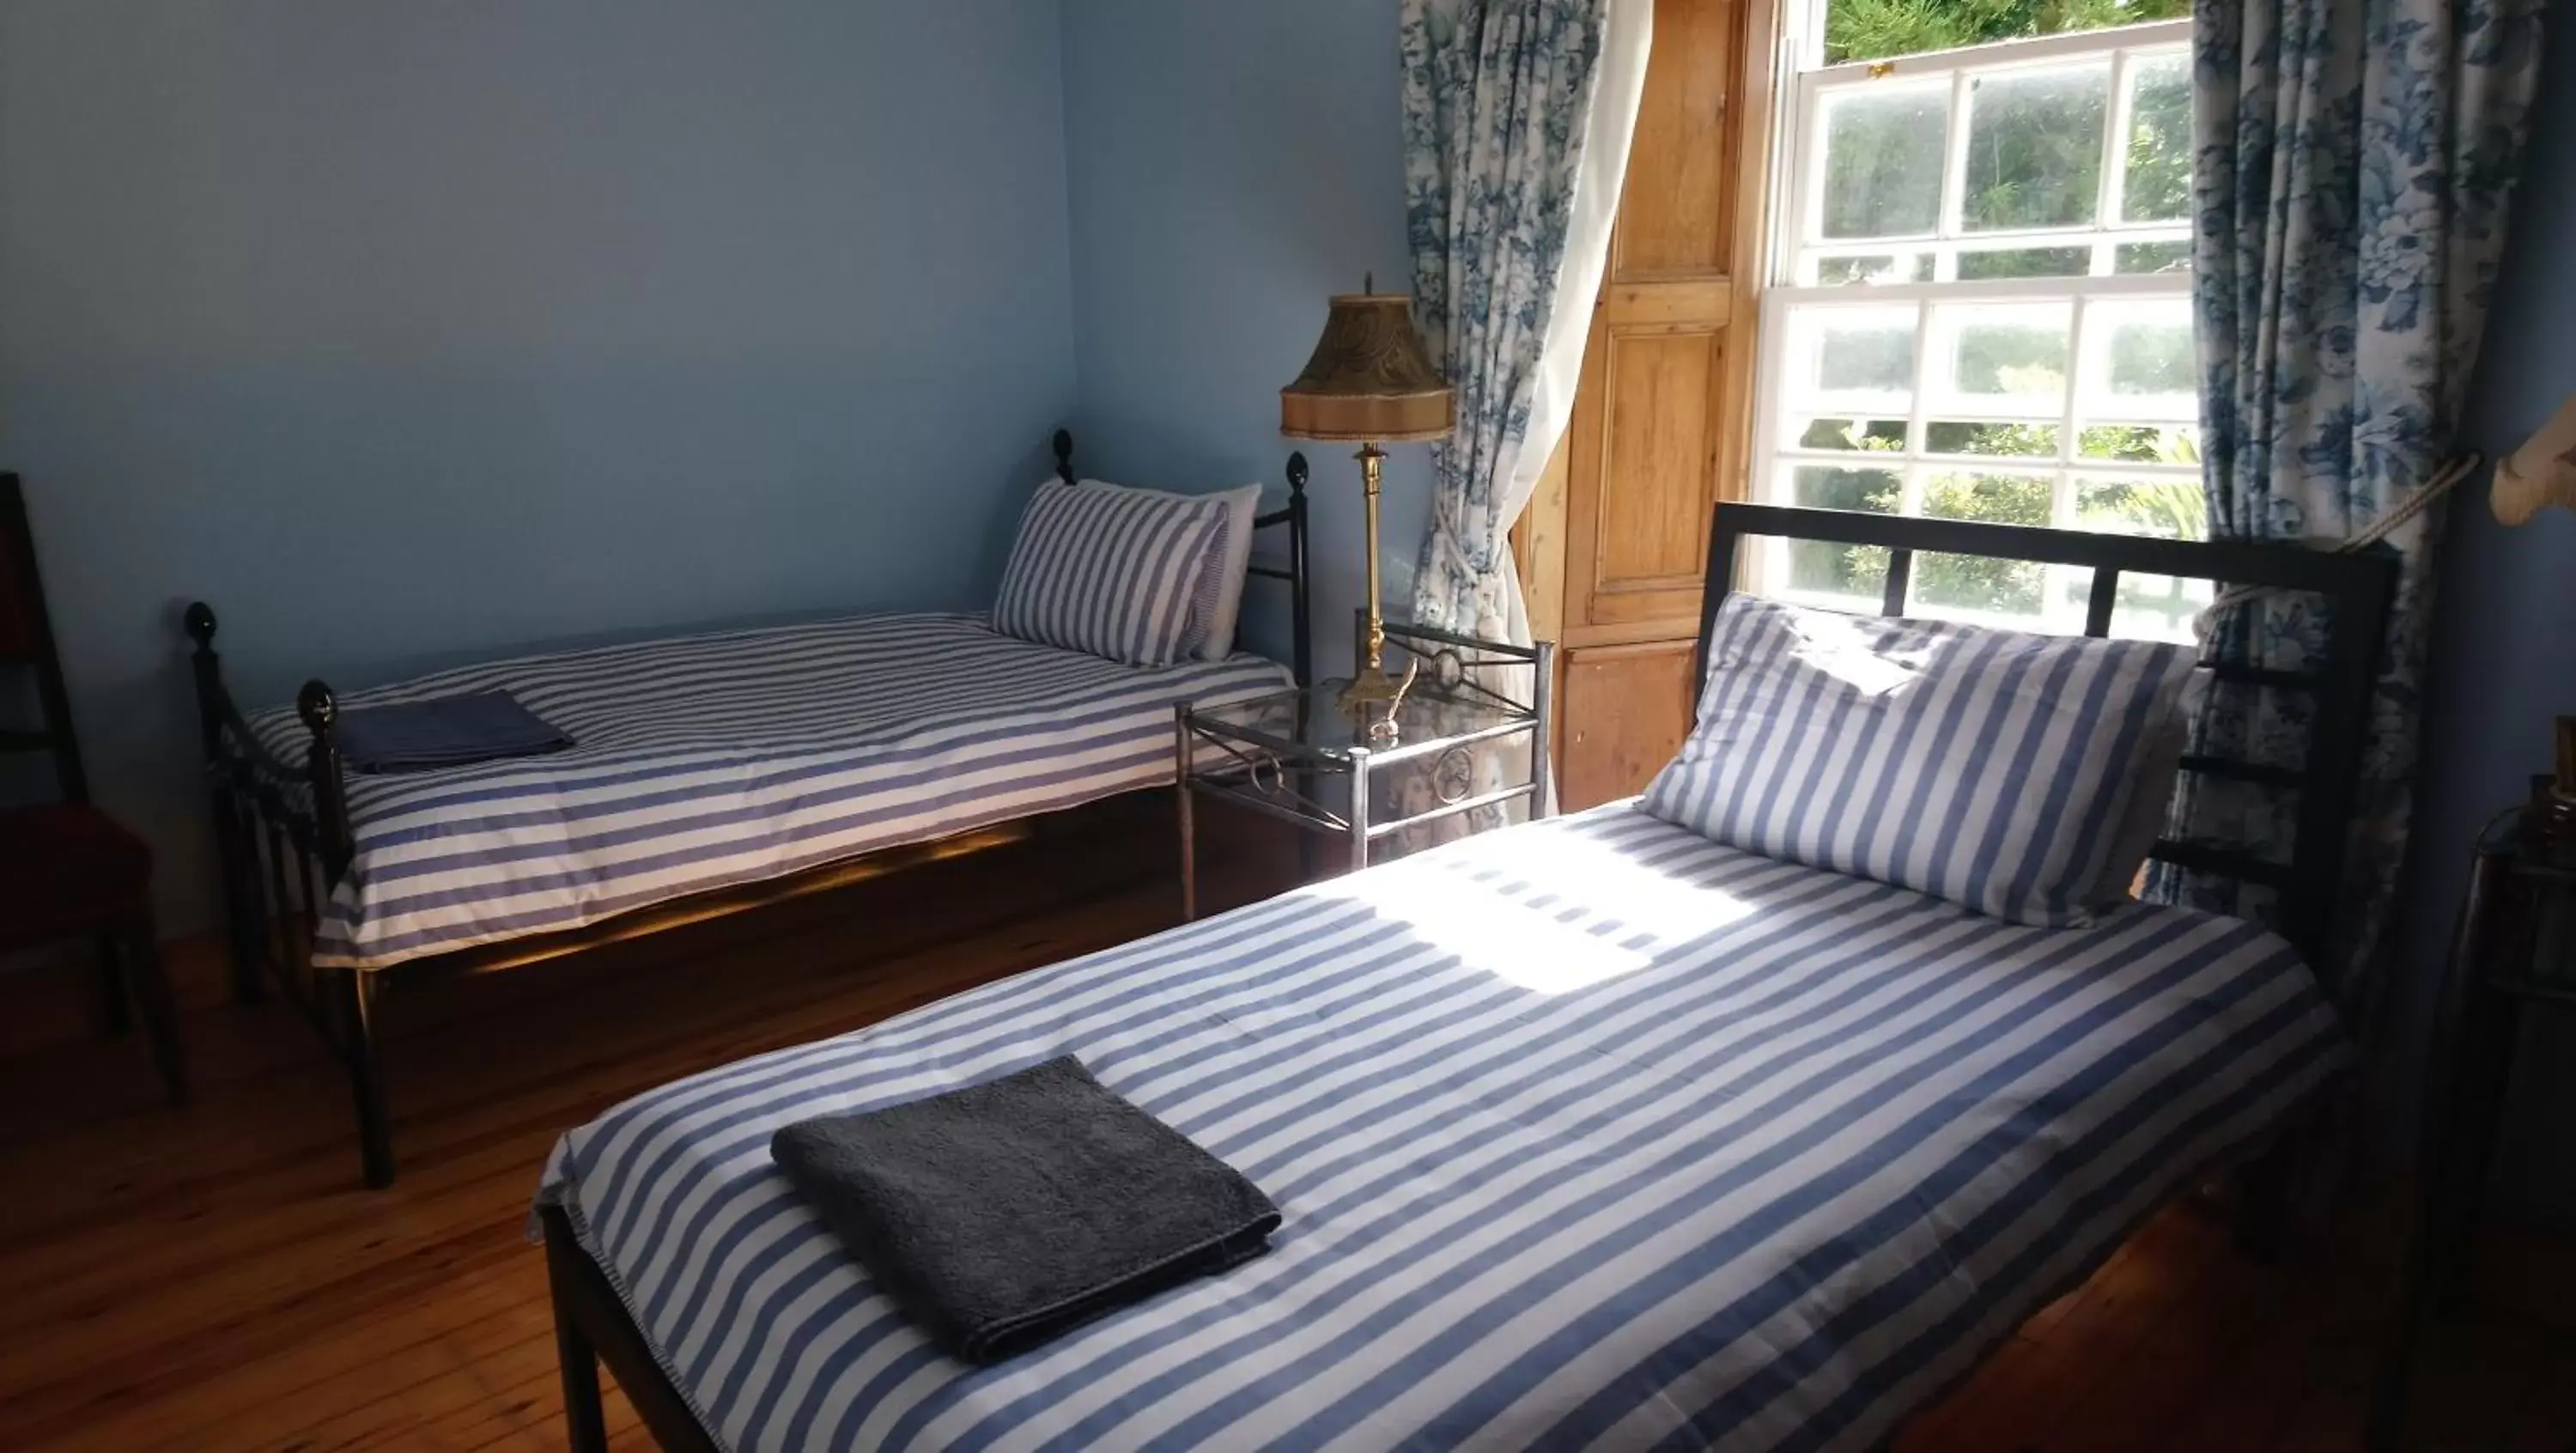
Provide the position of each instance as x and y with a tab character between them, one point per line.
713	760
1207	593
1115	572
1589	1133
1992	768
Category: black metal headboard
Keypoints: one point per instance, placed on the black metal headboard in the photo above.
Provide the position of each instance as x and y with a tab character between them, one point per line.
2357	589
1301	637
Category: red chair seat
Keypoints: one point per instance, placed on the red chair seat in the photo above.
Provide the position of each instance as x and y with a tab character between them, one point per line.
65	868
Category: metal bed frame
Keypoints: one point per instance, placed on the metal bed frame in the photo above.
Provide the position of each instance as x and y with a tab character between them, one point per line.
592	1325
284	839
2357	589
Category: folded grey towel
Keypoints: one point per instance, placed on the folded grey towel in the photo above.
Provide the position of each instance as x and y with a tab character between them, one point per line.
443	731
1006	1213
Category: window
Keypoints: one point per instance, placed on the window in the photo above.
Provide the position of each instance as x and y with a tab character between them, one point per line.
1980	305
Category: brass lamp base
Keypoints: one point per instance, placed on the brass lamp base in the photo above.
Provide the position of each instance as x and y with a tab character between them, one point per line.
1374	695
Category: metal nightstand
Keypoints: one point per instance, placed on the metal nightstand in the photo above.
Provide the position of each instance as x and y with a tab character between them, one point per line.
2514	949
1272	754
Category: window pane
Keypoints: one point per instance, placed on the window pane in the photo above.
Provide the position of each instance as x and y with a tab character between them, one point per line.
2158	185
1873	434
2010	594
1883	152
2150	607
2025	441
1853	360
1823	568
2169	509
2026	262
2144	257
1974	584
1885	267
1866	359
2003	499
2145	608
2139	360
2140	443
2151	357
2035	148
1865	30
1824	487
2003	358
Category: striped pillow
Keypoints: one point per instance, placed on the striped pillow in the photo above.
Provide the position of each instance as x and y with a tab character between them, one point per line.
1113	572
1991	768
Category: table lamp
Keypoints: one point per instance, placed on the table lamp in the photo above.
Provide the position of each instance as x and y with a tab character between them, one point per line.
1371	383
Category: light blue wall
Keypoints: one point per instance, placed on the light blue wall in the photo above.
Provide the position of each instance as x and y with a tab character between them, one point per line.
408	332
1232	165
402	331
2505	645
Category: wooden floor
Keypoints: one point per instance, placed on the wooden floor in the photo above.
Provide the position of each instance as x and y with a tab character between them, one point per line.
214	1278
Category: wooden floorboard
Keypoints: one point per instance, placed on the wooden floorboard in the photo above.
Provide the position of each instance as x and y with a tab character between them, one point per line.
214	1279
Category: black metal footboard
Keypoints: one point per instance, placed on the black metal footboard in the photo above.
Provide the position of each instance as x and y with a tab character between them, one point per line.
282	840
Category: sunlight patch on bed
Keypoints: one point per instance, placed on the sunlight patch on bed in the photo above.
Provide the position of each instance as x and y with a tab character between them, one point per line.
1597	905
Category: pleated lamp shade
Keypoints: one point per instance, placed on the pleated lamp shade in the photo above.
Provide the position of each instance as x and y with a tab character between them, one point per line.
1369	380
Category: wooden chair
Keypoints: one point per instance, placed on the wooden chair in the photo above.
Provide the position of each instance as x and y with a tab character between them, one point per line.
66	869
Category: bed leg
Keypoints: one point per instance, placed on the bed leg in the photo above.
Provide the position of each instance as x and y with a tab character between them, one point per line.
141	975
585	1423
113	1011
2263	1203
356	992
236	858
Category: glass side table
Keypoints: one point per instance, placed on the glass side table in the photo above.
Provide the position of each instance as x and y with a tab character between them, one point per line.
1275	754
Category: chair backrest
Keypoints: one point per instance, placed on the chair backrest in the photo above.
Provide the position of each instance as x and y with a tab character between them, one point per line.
27	646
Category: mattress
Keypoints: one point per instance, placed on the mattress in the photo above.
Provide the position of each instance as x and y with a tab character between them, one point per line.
714	760
1588	1133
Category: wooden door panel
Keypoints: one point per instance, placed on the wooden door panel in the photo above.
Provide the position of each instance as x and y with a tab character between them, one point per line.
1626	710
1656	429
1663	407
1659	441
1682	222
1650	438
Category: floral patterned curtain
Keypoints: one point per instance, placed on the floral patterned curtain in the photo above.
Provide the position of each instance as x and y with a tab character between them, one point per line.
1513	151
2354	162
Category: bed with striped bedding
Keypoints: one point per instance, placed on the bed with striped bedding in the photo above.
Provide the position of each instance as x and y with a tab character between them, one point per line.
714	760
1589	1133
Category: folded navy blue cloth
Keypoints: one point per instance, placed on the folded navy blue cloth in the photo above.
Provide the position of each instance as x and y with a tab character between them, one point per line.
1010	1212
444	731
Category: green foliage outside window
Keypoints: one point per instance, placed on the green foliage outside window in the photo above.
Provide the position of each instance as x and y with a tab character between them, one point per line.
2157	187
2034	157
2034	154
1858	30
2171	508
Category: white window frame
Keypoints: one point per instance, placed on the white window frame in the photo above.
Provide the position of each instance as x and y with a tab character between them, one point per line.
1797	240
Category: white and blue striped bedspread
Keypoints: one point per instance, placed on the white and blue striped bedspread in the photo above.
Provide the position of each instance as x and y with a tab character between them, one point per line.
1591	1133
707	761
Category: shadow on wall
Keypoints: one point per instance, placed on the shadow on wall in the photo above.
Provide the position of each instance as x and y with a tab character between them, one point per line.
1230	168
